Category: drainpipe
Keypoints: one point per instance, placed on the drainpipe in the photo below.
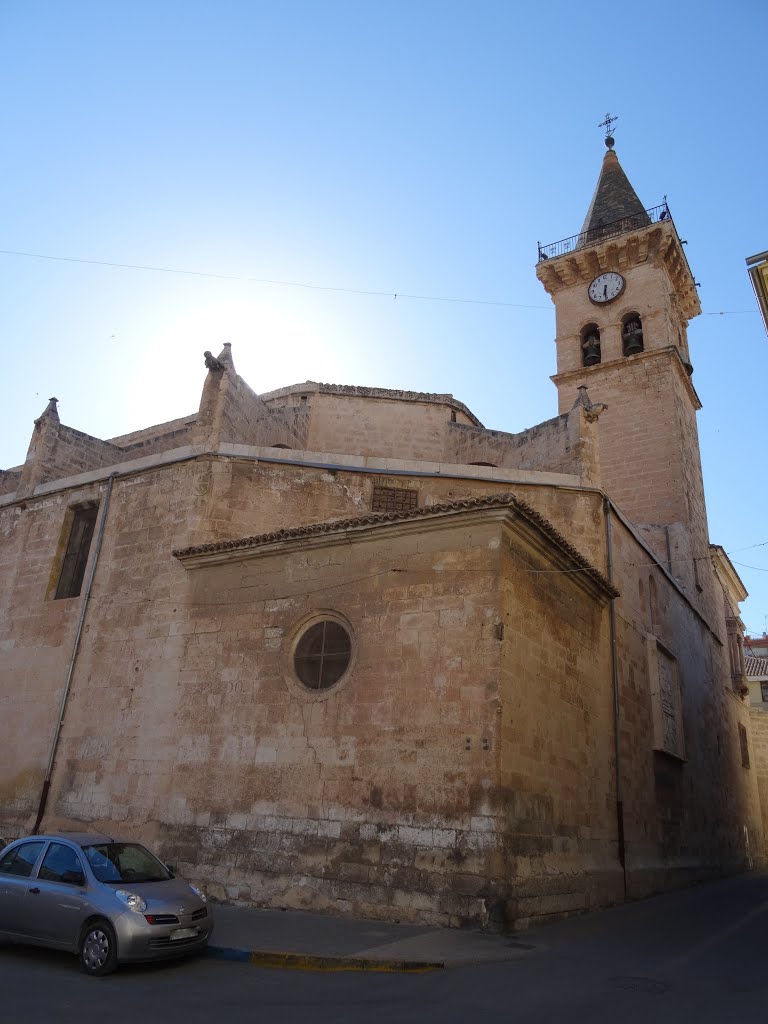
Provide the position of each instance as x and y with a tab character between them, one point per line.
616	706
73	657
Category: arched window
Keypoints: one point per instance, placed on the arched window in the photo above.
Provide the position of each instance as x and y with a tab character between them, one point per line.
590	344
632	334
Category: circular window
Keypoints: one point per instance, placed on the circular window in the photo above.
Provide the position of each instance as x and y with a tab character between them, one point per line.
322	655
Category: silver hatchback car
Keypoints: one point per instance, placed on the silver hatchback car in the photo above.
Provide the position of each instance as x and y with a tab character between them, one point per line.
106	900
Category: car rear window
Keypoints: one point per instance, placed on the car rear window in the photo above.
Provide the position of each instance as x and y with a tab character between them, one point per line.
124	862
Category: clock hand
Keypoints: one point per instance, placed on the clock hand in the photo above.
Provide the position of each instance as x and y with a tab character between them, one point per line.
605	291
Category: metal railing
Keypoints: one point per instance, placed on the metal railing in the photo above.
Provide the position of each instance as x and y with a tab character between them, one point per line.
604	232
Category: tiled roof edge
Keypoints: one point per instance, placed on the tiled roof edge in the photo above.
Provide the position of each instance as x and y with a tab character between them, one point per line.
381	518
756	668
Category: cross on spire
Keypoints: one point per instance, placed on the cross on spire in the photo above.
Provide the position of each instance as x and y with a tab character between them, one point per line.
607	125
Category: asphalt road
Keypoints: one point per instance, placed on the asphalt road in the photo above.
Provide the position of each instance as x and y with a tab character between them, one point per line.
694	956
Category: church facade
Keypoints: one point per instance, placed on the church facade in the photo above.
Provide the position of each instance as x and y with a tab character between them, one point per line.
347	649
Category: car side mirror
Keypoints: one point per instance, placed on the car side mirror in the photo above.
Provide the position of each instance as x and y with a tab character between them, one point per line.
171	870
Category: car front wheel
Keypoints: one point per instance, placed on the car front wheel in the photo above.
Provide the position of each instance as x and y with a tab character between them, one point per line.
98	949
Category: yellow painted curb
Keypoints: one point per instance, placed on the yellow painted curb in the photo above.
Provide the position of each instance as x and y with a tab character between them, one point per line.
312	962
280	960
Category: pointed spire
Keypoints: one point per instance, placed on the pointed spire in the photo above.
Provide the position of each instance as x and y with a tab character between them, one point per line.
50	412
614	198
225	356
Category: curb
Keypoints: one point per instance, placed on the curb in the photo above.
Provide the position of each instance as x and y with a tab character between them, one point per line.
278	960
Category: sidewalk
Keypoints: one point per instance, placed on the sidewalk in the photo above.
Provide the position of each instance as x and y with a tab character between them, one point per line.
304	941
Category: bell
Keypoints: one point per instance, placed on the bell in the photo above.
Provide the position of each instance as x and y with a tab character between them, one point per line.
633	343
591	348
633	338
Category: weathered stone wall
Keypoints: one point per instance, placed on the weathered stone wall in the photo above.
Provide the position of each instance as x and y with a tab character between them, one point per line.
758	721
242	497
368	794
148	514
685	818
230	411
640	453
57	451
9	480
36	636
186	726
327	421
289	426
166	441
305	394
545	446
649	459
187	669
425	431
364	426
555	714
394	795
169	429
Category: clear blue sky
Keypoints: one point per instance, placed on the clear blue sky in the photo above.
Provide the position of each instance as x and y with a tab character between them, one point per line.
404	147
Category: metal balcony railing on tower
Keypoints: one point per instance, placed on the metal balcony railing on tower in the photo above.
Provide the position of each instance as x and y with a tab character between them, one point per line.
604	232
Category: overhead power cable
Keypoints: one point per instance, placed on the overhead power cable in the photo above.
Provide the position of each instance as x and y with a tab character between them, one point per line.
304	284
271	281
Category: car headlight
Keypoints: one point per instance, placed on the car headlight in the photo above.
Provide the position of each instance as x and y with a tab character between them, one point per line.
199	892
131	900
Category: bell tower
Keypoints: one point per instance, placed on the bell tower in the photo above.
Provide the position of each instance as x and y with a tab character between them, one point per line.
623	294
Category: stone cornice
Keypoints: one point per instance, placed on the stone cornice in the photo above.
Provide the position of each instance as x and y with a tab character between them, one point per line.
298	459
517	515
657	243
725	567
590	373
357	391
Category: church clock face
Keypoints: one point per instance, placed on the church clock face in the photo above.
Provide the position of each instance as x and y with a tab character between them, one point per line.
606	287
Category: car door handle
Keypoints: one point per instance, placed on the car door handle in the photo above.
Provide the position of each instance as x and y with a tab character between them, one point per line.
35	890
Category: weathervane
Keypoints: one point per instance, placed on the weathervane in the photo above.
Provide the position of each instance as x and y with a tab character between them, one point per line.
607	125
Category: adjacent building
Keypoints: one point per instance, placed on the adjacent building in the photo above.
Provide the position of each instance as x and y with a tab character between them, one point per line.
757	267
756	670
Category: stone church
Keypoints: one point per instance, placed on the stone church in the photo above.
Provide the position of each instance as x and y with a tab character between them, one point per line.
345	648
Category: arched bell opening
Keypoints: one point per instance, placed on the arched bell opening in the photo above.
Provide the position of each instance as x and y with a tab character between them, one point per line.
590	345
632	334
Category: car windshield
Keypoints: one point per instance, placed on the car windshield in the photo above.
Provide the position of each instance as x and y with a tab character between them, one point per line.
124	862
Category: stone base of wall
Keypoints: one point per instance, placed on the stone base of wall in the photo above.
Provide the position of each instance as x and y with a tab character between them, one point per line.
439	877
434	876
652	880
543	899
381	873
